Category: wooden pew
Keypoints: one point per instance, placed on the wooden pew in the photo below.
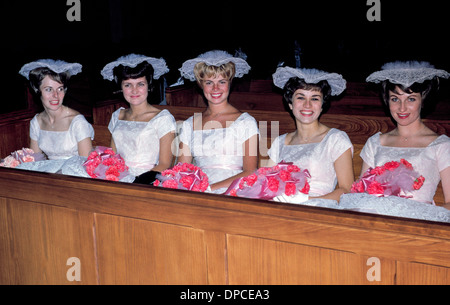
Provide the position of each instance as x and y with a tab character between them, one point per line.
133	234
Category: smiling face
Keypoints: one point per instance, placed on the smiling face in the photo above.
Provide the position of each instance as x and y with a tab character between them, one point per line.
405	108
52	93
135	91
306	105
216	89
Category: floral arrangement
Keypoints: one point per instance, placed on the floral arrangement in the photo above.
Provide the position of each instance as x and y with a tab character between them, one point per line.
183	176
23	155
269	182
392	179
104	164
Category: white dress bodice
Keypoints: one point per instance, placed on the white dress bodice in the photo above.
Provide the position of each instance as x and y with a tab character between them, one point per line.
138	142
317	158
61	144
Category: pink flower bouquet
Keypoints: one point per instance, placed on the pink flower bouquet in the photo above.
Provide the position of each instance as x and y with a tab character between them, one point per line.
269	182
23	155
104	164
392	179
183	176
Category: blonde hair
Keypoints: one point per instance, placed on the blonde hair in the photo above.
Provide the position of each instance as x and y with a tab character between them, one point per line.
203	70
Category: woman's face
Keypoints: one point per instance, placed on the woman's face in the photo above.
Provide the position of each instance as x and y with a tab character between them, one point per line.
135	91
52	93
216	89
405	108
306	105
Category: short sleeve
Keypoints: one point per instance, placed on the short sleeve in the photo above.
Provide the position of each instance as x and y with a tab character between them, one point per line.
166	123
369	149
186	131
341	143
246	127
274	151
114	119
442	154
81	128
34	129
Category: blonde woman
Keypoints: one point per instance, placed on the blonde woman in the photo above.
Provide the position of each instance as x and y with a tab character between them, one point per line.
222	140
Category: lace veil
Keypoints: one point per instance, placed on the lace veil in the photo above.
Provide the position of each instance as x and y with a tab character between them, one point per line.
407	73
132	60
311	76
214	58
57	66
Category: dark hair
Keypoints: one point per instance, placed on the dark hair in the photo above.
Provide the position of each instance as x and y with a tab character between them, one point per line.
296	83
425	89
37	75
122	73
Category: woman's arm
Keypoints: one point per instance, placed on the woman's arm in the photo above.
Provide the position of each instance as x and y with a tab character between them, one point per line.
85	147
249	165
445	179
34	146
165	152
344	173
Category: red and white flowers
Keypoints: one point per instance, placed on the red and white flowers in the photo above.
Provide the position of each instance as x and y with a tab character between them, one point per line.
104	164
269	182
23	155
183	176
392	179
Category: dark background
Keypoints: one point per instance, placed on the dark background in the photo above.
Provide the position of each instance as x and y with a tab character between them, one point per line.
334	36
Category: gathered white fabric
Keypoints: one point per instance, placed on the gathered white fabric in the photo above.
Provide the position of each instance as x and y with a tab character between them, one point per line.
138	142
61	144
407	73
310	76
219	152
57	66
427	161
214	58
317	158
132	60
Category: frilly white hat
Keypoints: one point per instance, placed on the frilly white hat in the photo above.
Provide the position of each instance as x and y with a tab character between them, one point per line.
57	66
310	76
132	60
214	58
407	73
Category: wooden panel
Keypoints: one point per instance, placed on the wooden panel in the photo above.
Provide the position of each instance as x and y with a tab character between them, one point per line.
132	251
39	241
419	274
258	261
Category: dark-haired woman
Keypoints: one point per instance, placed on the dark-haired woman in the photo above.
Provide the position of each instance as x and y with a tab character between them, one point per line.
141	134
325	152
59	131
406	87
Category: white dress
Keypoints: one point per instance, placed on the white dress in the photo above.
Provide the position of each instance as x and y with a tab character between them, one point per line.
317	158
138	142
428	162
219	152
61	147
61	144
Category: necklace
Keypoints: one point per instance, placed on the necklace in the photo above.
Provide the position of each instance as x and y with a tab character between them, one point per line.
52	124
405	139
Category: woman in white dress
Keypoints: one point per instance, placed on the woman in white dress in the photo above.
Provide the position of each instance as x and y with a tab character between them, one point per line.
325	152
406	87
59	131
222	140
141	134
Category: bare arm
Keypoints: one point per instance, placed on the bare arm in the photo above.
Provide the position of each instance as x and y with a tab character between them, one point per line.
85	147
445	178
165	152
344	173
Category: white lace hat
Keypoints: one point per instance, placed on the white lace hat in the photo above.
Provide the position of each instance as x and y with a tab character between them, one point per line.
310	76
132	60
407	73
57	66
214	58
